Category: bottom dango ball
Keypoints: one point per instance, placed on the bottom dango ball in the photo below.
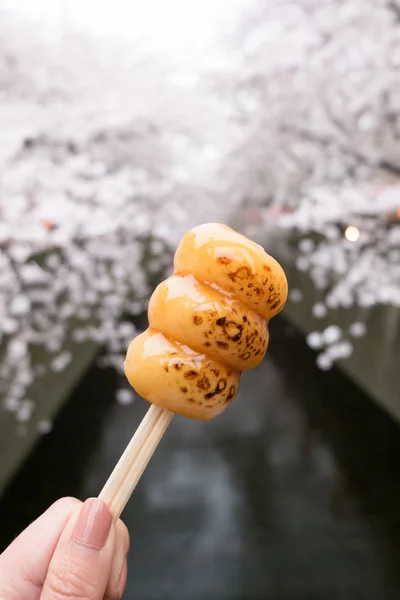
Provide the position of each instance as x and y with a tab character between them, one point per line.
176	378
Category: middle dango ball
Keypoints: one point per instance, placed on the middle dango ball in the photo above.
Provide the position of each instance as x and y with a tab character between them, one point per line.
209	321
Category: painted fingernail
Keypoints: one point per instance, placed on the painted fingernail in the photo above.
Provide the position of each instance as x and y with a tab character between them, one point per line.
93	524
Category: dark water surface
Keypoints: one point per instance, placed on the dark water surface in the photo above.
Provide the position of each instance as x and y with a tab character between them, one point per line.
294	493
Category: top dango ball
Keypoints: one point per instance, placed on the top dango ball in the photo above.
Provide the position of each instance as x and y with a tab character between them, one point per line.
227	260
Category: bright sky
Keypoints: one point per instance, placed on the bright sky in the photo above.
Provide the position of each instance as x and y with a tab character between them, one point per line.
172	26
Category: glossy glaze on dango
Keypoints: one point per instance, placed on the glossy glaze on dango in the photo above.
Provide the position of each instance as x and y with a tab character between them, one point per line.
208	323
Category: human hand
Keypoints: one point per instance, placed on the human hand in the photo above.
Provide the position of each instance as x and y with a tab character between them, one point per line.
73	550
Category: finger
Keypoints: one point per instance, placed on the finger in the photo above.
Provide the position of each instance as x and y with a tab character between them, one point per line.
24	564
81	563
123	578
116	585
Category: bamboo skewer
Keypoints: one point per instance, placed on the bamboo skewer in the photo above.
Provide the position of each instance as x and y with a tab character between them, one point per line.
135	459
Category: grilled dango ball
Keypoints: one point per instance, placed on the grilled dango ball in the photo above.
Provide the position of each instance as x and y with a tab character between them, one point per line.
207	323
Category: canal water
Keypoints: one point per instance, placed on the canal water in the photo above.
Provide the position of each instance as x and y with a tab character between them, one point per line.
292	494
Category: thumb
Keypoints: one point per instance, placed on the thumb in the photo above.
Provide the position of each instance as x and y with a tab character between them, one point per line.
81	563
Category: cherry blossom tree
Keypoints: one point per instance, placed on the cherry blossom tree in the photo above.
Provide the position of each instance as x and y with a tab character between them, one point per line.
103	168
315	89
109	153
315	86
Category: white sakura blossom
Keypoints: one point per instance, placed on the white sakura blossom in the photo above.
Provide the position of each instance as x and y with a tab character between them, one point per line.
43	427
17	349
324	361
332	334
125	396
340	350
11	404
295	295
24	411
315	340
20	305
319	310
358	329
61	361
306	245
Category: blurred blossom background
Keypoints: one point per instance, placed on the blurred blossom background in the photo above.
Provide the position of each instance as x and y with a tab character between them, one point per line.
122	125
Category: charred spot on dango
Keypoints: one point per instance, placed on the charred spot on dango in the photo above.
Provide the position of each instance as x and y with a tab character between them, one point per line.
241	273
191	374
204	383
222	344
231	329
221	385
231	393
272	298
197	320
224	260
184	389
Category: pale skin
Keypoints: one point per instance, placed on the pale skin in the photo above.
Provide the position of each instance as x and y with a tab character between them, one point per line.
73	550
